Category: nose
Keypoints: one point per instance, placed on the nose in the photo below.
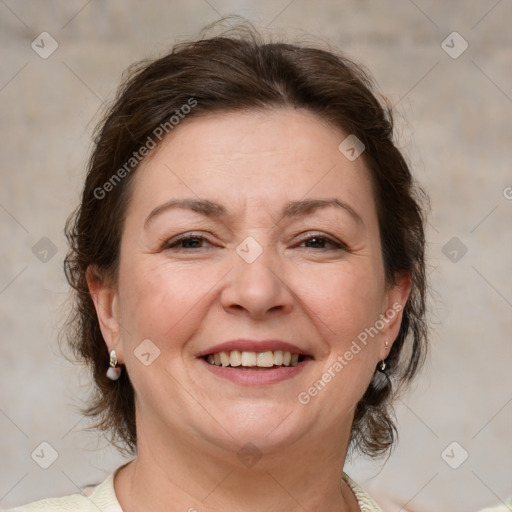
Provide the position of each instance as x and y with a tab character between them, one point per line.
257	288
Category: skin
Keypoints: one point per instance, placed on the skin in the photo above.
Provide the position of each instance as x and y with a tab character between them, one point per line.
191	424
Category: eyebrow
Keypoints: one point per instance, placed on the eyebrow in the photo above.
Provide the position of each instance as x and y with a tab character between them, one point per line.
215	210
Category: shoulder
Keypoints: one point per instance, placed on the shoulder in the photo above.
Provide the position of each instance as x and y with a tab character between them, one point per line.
75	502
365	502
506	507
102	498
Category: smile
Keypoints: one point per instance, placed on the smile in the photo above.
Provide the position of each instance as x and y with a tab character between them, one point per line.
256	368
252	360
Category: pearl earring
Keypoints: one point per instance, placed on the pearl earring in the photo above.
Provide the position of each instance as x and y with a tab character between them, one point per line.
114	372
383	366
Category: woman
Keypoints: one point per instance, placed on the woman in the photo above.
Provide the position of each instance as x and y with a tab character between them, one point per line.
248	262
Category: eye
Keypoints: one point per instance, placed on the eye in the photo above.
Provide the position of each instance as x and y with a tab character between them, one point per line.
186	242
323	242
193	241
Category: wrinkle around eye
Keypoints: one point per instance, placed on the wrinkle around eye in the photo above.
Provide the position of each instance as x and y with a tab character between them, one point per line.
179	239
171	244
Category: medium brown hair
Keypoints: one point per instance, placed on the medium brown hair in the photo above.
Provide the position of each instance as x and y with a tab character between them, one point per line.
233	71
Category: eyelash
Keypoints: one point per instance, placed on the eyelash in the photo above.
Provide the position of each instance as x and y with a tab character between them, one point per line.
335	244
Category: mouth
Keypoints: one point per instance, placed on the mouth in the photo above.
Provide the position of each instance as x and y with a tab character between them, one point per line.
261	362
248	360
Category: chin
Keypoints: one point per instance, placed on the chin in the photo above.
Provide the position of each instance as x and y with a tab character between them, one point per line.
266	426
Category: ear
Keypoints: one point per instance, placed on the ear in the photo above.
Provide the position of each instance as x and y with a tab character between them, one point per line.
104	296
393	308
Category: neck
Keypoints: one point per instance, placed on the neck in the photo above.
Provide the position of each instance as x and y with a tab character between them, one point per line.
190	475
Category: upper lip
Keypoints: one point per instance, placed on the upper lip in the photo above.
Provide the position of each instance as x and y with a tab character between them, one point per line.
254	346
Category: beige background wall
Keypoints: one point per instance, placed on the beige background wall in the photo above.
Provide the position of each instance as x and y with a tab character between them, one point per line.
455	126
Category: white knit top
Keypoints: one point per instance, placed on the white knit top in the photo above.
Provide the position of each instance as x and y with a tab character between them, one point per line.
103	498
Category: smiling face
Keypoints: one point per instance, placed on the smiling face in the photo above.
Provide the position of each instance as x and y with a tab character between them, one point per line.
253	226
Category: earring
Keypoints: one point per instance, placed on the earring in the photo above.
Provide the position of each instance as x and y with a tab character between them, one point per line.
114	372
383	366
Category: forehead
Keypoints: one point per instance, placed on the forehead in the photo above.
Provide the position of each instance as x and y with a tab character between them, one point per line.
253	157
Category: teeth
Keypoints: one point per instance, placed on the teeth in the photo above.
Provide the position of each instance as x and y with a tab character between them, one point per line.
249	358
224	358
235	358
265	359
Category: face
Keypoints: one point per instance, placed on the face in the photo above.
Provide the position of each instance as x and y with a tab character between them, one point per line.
275	242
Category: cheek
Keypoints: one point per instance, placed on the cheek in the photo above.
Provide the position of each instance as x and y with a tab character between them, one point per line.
161	302
346	299
344	306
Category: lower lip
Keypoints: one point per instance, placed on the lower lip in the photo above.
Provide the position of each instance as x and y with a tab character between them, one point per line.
256	377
